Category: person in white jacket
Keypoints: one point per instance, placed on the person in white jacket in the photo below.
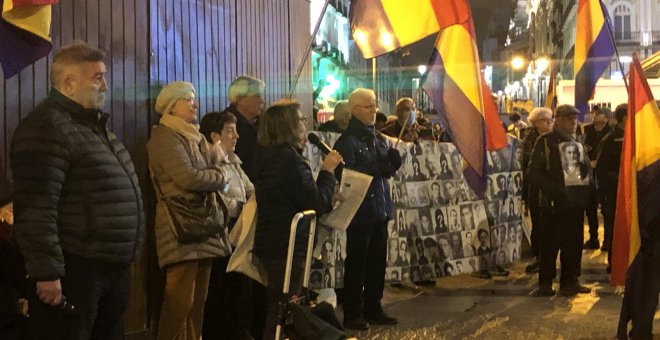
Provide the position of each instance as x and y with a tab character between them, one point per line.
227	314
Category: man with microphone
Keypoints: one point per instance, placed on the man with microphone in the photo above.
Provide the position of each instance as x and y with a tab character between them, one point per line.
365	150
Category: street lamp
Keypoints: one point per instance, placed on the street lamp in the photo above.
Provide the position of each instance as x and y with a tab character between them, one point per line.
517	62
421	69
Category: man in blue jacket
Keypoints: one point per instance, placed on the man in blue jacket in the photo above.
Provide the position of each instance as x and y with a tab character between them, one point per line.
365	150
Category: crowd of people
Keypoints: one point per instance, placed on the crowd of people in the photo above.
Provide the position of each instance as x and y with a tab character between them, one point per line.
78	218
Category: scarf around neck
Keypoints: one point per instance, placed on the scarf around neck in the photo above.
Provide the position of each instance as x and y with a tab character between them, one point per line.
187	130
197	142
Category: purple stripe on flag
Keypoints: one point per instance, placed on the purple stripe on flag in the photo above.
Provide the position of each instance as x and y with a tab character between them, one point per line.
599	58
20	48
633	299
465	124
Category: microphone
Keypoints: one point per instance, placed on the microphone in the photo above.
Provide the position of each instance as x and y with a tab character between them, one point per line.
314	139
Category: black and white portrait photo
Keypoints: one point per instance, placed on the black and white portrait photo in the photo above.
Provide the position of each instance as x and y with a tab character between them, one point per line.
453	224
456	244
440	221
425	222
451	191
574	163
479	215
467	220
436	195
418	194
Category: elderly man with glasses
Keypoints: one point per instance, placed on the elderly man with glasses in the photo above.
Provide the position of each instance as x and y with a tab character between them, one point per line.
365	150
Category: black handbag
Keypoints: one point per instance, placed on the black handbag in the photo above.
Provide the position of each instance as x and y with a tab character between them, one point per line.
195	219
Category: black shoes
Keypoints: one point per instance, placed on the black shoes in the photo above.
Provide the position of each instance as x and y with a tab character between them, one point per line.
591	244
381	319
358	324
532	267
605	247
573	290
499	271
425	283
545	291
482	274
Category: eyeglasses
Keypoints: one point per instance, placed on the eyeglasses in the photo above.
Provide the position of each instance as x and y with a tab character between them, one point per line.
191	100
368	107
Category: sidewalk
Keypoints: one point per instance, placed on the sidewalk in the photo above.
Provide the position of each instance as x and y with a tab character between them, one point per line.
465	307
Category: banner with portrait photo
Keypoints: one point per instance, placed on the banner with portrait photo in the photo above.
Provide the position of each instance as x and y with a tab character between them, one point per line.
440	228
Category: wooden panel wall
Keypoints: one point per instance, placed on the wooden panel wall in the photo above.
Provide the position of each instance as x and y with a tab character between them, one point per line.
150	43
250	37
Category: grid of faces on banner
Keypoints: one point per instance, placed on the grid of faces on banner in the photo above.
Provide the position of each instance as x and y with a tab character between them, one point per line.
440	228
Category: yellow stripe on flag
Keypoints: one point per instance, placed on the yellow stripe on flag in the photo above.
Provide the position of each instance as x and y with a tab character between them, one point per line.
461	62
34	19
411	20
647	125
589	23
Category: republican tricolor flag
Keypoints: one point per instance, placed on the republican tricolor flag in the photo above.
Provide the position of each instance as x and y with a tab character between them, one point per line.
638	193
593	50
24	33
453	81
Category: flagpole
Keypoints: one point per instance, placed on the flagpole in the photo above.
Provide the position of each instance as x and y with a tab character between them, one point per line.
616	50
373	74
307	50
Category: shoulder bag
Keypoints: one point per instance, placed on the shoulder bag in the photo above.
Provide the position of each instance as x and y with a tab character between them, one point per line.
194	220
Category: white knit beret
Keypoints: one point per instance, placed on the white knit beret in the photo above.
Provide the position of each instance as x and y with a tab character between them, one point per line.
171	93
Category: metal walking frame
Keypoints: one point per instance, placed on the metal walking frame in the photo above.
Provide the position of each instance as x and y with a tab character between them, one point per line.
307	215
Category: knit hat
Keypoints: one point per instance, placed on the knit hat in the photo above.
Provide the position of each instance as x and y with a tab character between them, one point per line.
171	93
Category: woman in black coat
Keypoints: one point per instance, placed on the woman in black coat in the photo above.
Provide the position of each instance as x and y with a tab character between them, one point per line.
284	186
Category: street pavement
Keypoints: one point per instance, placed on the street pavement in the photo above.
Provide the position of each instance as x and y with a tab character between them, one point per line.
466	307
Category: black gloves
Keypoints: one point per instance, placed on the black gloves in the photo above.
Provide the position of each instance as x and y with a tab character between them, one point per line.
394	158
390	164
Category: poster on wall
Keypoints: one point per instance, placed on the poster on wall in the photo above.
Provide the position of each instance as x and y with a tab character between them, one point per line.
440	228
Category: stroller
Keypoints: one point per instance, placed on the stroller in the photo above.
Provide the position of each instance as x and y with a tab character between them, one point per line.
297	318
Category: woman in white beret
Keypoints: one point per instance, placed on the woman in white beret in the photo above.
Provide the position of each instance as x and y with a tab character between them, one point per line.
182	164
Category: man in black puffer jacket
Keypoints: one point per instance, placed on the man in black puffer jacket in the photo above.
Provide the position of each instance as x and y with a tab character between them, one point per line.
78	206
366	151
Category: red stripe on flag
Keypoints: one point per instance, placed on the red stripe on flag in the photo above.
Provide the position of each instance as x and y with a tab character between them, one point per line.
623	216
451	12
495	134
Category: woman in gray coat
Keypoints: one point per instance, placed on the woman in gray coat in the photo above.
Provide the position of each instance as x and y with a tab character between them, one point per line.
183	162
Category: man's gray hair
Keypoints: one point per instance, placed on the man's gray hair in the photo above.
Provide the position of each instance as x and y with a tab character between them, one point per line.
360	92
76	53
245	86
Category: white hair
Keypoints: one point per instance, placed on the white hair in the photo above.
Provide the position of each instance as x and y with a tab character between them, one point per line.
539	113
245	86
360	92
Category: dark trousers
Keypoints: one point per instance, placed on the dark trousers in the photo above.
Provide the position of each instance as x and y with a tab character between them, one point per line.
592	213
534	213
609	209
99	292
561	231
364	276
228	308
642	317
276	270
